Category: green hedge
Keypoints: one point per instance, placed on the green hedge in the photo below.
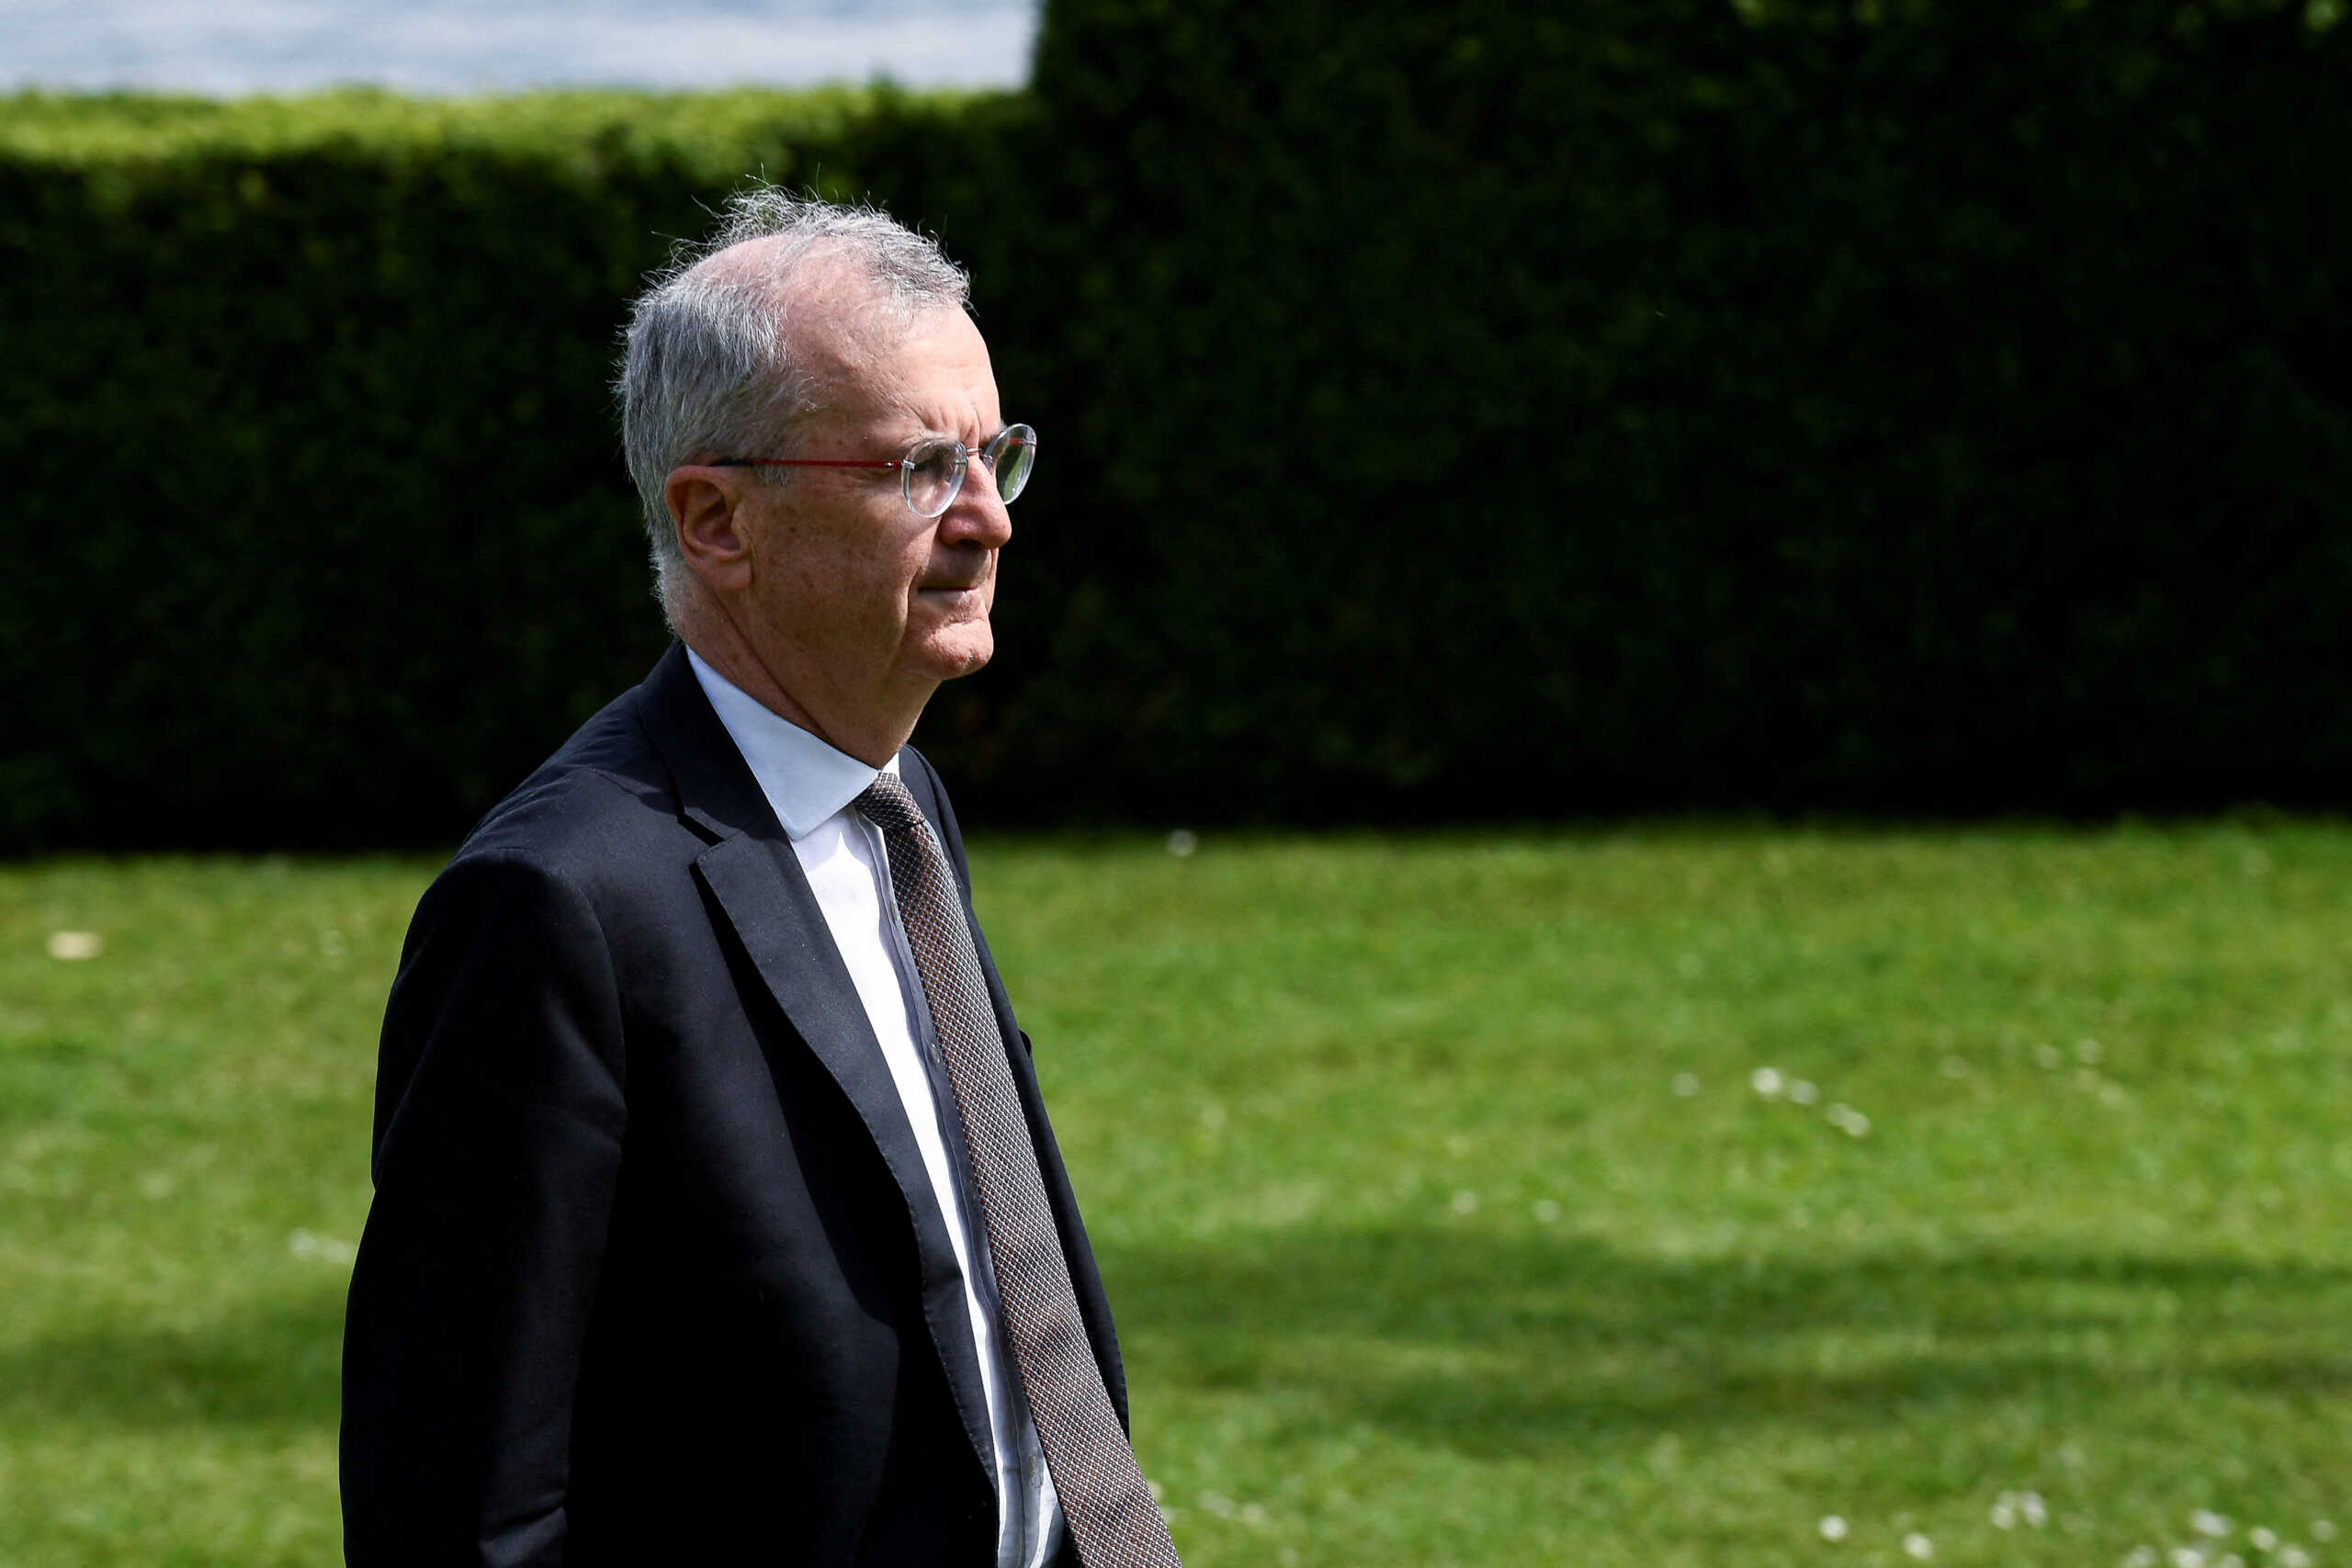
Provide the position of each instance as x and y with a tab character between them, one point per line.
1637	404
320	531
1453	412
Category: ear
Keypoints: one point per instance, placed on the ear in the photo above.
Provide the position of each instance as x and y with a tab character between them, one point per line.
706	508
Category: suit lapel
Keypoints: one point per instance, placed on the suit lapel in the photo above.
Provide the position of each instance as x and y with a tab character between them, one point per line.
756	881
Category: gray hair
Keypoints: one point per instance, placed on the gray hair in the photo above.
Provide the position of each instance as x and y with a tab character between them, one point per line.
704	372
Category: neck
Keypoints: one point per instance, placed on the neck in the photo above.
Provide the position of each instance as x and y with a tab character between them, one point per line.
869	727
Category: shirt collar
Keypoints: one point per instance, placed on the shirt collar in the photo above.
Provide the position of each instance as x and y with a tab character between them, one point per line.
805	780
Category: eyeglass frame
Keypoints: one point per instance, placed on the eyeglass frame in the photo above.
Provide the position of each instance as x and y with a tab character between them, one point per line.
988	455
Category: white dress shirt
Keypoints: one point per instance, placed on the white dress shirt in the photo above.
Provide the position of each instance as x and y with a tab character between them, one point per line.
810	785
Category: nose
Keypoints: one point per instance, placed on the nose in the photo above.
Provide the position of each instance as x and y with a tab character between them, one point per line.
978	515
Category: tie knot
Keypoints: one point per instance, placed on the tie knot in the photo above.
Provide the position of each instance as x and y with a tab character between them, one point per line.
888	805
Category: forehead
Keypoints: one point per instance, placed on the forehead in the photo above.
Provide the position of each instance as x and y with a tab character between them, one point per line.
927	372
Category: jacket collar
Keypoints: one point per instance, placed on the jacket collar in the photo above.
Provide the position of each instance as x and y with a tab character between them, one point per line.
715	790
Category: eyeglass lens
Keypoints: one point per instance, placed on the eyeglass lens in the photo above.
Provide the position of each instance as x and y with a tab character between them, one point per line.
934	470
1009	458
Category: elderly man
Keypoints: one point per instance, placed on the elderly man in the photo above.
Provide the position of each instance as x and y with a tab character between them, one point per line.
717	1215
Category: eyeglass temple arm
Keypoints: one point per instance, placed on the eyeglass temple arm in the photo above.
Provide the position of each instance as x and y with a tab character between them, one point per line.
837	462
801	463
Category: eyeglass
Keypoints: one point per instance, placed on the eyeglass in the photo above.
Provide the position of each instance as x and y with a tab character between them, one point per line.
931	475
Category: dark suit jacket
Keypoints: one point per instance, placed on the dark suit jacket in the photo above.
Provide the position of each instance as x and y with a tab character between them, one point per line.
653	1274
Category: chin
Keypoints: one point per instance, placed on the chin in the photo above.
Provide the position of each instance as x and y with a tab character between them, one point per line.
969	650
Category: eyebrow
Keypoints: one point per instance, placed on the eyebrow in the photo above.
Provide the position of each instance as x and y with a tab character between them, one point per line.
933	432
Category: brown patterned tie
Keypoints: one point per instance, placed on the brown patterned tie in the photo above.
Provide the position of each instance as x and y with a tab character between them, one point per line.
1108	1509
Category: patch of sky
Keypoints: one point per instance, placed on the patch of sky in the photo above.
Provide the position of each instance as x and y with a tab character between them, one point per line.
235	48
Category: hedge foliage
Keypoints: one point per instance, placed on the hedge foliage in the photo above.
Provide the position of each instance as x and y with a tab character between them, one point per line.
1640	403
1454	410
320	531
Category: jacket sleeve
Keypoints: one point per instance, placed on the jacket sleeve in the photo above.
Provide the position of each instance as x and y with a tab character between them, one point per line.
499	1115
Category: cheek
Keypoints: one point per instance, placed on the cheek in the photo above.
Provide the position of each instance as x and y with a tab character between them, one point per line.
863	577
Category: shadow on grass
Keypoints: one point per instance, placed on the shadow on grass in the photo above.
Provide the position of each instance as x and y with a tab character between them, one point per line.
1486	1344
1493	1346
275	1366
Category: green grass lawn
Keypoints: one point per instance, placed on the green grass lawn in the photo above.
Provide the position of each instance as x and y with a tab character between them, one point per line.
1653	1197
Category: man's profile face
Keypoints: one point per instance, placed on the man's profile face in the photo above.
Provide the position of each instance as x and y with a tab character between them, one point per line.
851	588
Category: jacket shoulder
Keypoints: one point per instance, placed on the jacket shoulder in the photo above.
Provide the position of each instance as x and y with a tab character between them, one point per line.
596	815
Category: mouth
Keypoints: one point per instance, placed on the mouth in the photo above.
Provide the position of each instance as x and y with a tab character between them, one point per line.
956	601
949	588
958	583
